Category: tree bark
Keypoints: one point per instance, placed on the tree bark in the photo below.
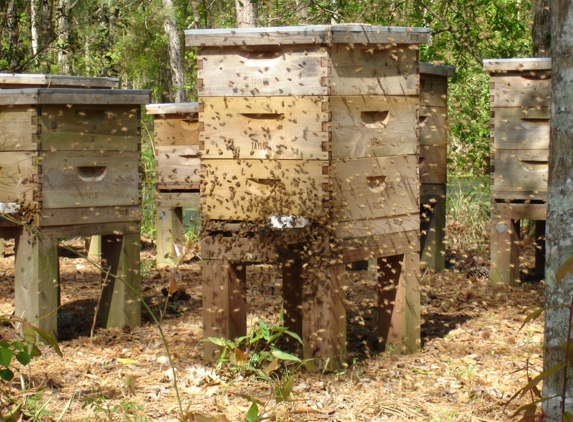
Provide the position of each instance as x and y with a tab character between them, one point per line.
302	12
63	37
559	246
246	14
541	30
196	15
175	60
34	27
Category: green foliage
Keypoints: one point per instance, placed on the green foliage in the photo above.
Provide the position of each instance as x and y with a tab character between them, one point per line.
102	410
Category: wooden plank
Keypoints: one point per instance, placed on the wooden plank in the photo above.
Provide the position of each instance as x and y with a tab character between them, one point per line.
520	91
93	215
173	108
177	199
18	128
292	295
282	71
524	64
522	173
169	231
89	179
376	227
255	190
518	211
177	167
176	130
89	127
540	250
20	80
120	304
375	187
433	125
373	70
433	231
367	34
36	278
324	323
520	128
430	193
433	90
94	248
239	249
264	127
437	70
83	230
433	164
399	304
505	249
369	247
1	248
224	303
17	177
72	96
377	126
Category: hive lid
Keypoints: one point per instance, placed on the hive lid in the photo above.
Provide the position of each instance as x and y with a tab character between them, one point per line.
172	108
73	96
40	80
438	70
527	64
309	34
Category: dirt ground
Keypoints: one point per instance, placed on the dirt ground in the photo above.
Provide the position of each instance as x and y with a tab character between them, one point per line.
473	359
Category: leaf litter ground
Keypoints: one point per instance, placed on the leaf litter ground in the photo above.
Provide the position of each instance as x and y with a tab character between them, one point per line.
473	359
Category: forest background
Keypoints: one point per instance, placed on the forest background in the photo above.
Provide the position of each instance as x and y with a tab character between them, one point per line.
129	39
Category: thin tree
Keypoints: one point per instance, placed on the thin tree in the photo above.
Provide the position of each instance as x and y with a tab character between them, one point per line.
175	60
246	13
558	292
541	33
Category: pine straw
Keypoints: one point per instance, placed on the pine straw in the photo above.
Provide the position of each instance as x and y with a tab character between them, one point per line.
472	361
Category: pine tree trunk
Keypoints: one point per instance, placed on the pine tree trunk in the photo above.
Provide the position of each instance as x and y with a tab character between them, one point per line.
175	60
541	30
13	33
560	203
34	27
246	14
63	37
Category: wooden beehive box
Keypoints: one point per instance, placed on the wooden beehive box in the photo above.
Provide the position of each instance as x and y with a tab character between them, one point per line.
71	156
520	111
176	145
318	122
23	80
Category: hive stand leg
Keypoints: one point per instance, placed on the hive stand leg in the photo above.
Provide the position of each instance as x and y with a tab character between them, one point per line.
540	247
504	252
432	243
1	248
94	251
169	225
36	281
399	303
120	305
292	296
224	303
324	322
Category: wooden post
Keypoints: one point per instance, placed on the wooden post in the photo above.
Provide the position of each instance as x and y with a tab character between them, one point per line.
120	305
540	247
292	296
169	225
36	281
399	303
224	302
94	251
324	323
1	248
504	252
432	242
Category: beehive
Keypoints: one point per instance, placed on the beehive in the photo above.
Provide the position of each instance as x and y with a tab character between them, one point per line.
177	179
23	80
520	111
433	162
316	126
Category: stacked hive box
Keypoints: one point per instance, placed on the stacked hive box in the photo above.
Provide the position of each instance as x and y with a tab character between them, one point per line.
176	147
520	111
310	143
71	167
433	161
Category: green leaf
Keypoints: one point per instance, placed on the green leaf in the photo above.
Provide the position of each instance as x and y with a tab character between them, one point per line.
48	339
24	358
6	374
285	356
294	335
567	417
566	268
264	329
29	333
569	352
285	390
217	341
5	357
4	344
126	361
252	413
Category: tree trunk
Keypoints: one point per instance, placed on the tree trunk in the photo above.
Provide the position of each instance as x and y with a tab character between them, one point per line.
302	12
34	27
541	30
63	37
13	33
175	61
559	247
196	15
246	14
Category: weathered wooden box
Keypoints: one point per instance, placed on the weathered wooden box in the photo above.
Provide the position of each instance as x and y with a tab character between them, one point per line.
22	80
520	111
71	156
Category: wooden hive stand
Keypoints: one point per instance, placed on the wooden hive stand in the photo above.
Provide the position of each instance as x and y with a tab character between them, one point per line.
177	179
433	162
310	138
520	112
71	167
